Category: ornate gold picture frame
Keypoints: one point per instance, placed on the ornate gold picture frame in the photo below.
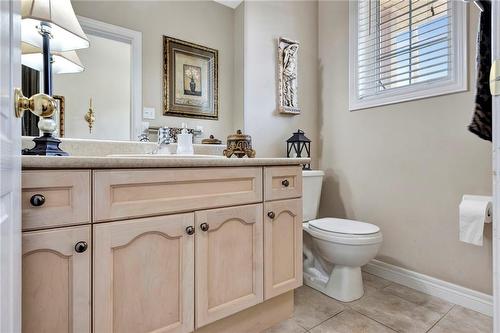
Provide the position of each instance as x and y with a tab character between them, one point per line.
190	80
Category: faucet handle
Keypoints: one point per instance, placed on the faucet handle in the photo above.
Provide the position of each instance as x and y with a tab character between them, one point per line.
164	135
143	137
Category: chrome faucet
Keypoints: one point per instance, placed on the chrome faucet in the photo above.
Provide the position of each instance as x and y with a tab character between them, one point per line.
164	139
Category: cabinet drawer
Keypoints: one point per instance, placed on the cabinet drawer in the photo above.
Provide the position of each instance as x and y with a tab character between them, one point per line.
139	193
63	198
282	183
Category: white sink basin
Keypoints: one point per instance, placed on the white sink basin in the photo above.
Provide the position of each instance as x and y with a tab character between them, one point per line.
166	156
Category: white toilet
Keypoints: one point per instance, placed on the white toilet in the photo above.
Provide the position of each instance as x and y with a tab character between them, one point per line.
334	249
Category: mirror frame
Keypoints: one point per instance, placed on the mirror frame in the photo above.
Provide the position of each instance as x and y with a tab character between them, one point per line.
134	38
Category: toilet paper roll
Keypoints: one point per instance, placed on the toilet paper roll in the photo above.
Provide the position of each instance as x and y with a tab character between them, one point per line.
475	211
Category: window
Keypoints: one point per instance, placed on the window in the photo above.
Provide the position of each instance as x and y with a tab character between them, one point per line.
402	50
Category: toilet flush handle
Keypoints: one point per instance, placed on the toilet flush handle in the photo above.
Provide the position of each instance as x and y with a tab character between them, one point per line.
271	215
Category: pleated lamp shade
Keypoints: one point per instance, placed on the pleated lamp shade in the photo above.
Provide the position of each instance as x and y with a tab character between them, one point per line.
63	62
67	34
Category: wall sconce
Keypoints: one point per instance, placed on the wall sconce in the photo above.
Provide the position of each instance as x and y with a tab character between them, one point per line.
90	116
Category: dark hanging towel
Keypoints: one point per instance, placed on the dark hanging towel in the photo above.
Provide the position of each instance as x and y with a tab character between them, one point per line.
481	121
30	79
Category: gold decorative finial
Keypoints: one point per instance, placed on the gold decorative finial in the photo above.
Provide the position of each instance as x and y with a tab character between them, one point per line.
90	116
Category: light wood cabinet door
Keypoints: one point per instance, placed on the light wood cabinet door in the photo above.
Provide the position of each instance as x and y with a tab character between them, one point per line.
144	275
229	267
56	281
282	246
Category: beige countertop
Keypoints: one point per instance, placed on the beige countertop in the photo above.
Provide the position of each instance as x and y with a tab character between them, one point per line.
111	162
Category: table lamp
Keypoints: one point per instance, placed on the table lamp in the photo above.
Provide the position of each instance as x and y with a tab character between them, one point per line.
52	26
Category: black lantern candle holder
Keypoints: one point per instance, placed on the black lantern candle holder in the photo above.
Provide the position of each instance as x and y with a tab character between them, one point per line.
299	146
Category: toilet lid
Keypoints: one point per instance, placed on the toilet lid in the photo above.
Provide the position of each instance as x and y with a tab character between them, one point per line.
342	226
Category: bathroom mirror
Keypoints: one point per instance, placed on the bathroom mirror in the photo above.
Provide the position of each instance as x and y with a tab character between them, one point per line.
124	69
111	79
110	82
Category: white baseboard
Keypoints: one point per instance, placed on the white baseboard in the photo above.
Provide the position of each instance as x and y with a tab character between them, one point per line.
450	292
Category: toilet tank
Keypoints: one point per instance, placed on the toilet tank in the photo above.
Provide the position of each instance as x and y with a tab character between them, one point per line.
312	180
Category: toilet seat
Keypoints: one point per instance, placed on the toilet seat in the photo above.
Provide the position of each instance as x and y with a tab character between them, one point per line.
343	226
343	231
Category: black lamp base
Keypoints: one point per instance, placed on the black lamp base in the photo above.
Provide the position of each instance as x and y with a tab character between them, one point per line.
46	145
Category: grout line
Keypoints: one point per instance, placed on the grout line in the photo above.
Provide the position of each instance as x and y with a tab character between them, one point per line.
437	322
308	330
408	300
381	289
364	315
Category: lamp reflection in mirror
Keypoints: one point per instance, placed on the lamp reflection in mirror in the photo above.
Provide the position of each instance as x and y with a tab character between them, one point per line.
51	25
62	62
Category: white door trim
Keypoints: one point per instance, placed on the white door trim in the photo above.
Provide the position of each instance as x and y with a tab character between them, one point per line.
495	54
134	38
10	168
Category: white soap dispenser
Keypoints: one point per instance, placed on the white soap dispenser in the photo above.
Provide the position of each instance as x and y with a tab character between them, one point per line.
185	142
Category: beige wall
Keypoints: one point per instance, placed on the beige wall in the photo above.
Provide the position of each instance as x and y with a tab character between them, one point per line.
203	22
265	22
107	73
239	67
403	167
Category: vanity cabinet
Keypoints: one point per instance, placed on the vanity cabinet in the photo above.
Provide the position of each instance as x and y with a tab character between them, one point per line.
144	274
229	261
171	250
56	280
282	246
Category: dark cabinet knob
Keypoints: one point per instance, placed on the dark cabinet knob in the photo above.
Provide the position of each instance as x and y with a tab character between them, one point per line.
190	230
204	226
37	200
285	183
81	246
271	215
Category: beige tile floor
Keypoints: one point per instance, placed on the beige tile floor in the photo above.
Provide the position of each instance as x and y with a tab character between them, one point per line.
386	307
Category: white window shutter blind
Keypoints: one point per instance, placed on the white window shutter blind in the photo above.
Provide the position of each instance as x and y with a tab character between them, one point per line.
403	46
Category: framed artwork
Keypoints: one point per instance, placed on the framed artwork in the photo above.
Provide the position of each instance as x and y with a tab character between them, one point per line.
190	80
59	115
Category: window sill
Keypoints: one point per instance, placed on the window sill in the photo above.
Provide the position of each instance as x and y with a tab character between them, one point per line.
406	94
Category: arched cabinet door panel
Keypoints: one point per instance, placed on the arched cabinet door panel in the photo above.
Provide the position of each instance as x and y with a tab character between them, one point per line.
282	246
56	280
144	275
229	266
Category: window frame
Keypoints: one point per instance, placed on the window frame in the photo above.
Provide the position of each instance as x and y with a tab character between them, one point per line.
456	82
